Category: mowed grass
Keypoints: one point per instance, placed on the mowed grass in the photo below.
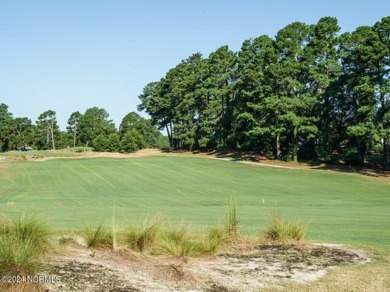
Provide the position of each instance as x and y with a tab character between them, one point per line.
72	193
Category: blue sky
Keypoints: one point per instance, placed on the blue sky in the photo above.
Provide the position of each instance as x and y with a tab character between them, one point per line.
71	55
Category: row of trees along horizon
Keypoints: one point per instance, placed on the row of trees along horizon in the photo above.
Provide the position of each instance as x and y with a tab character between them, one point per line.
91	129
310	92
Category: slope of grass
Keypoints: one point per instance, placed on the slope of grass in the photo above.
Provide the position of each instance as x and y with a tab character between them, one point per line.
336	207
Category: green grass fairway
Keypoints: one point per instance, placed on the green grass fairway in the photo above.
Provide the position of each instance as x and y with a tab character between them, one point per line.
337	207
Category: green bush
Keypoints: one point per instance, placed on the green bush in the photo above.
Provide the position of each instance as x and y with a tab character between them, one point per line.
100	143
133	141
351	156
113	143
81	149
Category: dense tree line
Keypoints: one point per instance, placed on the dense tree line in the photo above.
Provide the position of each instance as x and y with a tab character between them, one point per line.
91	129
310	92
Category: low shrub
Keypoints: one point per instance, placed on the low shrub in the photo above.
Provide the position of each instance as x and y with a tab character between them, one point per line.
81	149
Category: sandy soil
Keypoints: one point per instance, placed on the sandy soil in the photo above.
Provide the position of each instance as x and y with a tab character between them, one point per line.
83	269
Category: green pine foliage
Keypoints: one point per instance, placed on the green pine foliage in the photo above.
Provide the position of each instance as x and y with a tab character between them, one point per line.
309	92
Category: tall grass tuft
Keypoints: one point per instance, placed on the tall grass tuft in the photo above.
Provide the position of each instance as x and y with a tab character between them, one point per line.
141	237
280	230
179	241
23	245
18	257
215	238
176	234
176	241
181	248
98	237
35	229
231	218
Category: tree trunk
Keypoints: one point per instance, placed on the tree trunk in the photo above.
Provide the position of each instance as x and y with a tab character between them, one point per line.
294	154
278	153
362	150
169	136
74	138
386	154
52	138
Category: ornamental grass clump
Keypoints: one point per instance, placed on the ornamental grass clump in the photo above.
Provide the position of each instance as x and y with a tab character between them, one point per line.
98	237
24	243
143	236
215	238
31	228
177	241
281	230
231	219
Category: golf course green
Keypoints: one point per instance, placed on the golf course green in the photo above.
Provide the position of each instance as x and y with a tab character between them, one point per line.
71	193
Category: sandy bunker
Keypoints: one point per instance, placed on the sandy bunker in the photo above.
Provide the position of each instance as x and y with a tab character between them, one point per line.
83	269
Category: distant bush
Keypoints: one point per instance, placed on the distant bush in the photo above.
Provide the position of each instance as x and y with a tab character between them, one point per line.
133	141
351	156
100	143
81	149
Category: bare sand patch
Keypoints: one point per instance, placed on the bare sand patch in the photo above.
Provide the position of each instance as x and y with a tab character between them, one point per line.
82	269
